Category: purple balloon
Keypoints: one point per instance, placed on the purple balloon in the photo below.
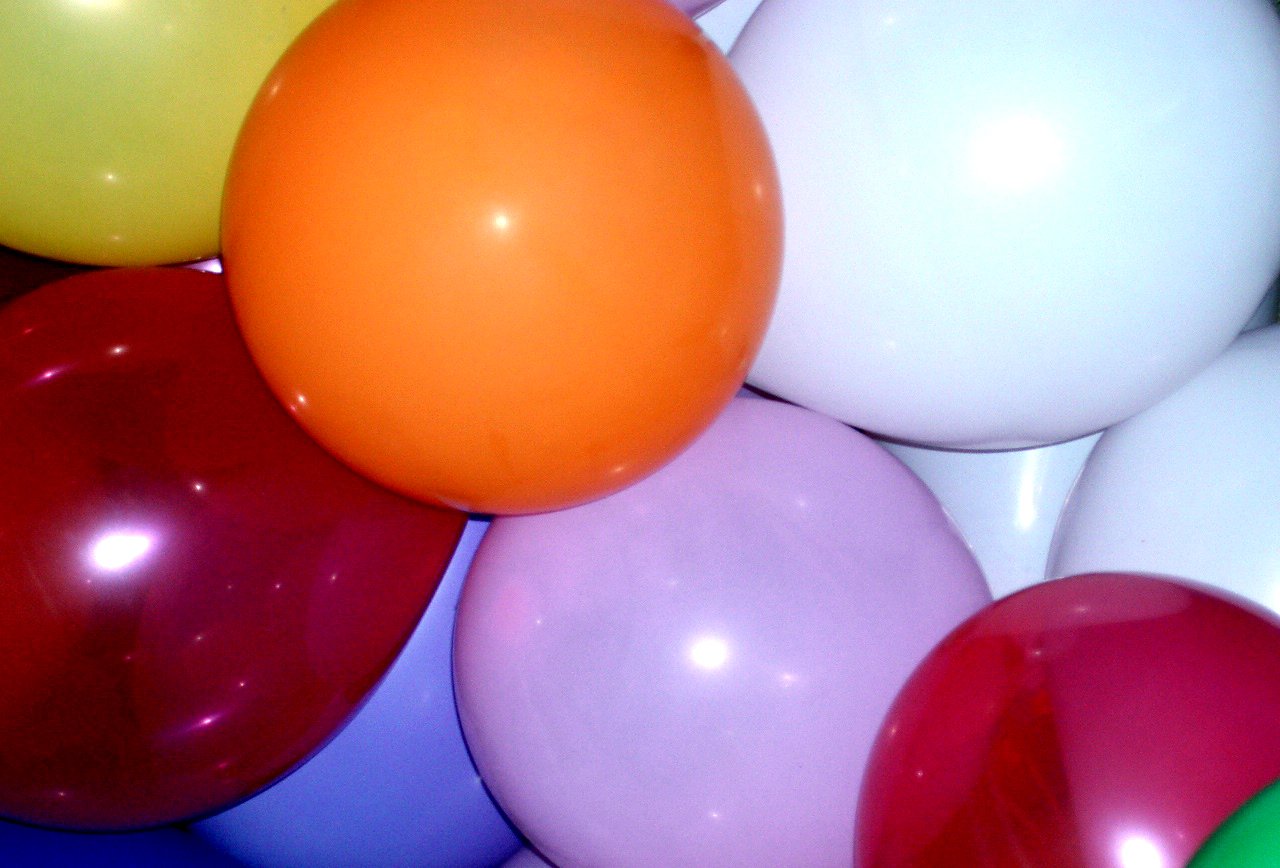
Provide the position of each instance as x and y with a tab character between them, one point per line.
692	671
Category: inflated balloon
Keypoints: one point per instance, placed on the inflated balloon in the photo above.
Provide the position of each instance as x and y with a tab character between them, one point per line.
1013	224
396	786
196	596
1006	504
1191	487
503	256
1104	720
117	120
695	7
692	671
724	22
1248	839
21	273
28	847
526	858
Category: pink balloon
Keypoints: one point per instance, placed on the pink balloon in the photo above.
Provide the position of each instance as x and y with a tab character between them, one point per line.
692	671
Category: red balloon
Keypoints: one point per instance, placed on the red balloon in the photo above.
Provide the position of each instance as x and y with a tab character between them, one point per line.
196	596
21	273
1101	720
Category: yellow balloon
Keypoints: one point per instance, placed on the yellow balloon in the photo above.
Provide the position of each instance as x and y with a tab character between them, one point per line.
117	119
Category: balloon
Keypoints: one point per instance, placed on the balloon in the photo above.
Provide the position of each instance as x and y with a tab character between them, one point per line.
989	204
1191	487
117	120
503	256
20	273
695	7
396	786
1101	720
724	21
196	595
1248	838
27	847
691	671
526	859
1006	504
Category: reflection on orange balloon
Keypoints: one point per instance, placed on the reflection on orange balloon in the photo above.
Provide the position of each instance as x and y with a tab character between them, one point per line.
503	256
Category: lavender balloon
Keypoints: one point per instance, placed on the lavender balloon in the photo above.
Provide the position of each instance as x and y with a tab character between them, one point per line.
692	671
695	7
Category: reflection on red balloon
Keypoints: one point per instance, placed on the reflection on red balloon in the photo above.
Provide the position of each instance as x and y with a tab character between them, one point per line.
1102	720
196	596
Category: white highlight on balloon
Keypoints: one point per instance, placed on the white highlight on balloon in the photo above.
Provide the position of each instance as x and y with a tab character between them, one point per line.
709	653
1017	153
1137	851
117	551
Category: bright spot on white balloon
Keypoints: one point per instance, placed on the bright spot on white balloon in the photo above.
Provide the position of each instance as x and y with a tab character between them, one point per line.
709	653
1017	153
1139	852
1028	489
117	551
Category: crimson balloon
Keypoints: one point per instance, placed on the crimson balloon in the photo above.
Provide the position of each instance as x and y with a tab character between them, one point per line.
20	272
196	596
1100	720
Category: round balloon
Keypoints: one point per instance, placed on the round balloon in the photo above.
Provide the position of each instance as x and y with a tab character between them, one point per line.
1108	721
117	120
989	204
21	273
692	671
396	786
1191	487
695	7
1006	504
1248	839
196	595
29	847
503	256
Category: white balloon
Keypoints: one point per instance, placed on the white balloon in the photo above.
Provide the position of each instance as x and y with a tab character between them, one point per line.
1006	504
1190	487
1013	223
723	23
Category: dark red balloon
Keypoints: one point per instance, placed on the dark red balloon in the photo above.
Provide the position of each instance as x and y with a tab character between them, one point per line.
1102	720
195	596
20	273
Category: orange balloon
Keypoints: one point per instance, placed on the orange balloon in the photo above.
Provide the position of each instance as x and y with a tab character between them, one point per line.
503	256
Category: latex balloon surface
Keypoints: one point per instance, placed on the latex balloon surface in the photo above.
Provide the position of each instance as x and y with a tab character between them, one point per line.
695	7
692	671
503	256
20	273
1191	487
117	119
1106	720
1248	839
396	786
1013	224
1006	504
28	847
196	596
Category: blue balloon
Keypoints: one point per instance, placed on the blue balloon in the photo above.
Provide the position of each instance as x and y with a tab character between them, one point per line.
397	786
27	847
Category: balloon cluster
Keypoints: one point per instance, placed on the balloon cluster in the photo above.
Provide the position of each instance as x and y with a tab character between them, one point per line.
430	518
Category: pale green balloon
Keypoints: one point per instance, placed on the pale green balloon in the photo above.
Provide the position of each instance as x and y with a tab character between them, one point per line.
117	120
